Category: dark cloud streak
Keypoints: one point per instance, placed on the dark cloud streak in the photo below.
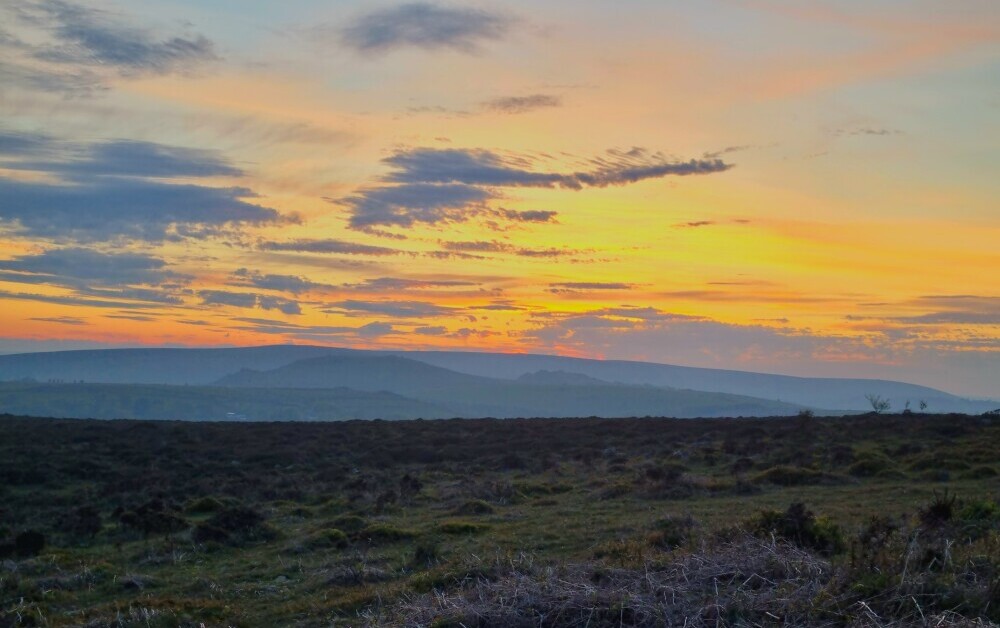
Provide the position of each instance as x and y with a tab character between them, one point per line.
422	25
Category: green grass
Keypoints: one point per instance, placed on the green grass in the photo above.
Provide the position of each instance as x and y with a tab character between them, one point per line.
342	532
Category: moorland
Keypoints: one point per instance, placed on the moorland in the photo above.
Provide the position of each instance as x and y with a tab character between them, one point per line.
876	520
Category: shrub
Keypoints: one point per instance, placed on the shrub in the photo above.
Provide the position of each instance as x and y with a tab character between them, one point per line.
205	533
801	527
475	507
671	532
667	472
979	473
741	465
153	517
868	465
939	511
234	526
935	475
979	516
426	553
938	463
784	475
384	533
349	523
203	505
329	538
84	522
29	543
462	527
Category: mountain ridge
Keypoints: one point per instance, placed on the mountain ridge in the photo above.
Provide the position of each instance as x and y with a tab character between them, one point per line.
202	366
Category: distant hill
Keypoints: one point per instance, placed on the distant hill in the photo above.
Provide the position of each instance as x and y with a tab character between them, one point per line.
152	366
203	403
199	367
845	394
360	372
559	378
547	394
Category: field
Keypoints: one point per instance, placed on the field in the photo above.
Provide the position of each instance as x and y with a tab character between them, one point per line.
862	520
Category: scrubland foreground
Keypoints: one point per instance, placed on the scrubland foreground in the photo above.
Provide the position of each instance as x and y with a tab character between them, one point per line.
860	521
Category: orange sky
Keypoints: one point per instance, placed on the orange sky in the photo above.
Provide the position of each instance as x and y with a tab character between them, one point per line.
749	185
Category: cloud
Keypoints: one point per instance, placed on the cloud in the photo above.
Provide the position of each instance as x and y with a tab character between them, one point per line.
80	267
398	309
139	210
493	246
249	300
431	330
423	25
313	332
878	131
110	190
434	185
285	306
326	246
72	300
81	82
522	104
404	205
578	286
637	333
530	215
62	320
117	158
89	273
954	309
382	284
281	283
76	49
27	150
85	36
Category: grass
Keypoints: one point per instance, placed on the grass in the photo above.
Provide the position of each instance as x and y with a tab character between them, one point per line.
397	523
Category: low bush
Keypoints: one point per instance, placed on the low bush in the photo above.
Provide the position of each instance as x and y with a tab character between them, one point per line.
671	531
783	475
462	527
377	533
979	473
349	523
203	505
801	527
331	538
870	465
475	507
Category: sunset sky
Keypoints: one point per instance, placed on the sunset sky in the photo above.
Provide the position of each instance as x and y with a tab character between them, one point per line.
810	188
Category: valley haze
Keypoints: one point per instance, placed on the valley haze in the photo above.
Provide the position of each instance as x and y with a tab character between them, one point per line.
295	382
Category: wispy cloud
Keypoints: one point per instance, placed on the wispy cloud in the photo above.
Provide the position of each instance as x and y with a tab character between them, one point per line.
396	309
434	185
80	267
404	205
494	246
109	190
522	104
78	47
328	245
249	300
422	25
587	286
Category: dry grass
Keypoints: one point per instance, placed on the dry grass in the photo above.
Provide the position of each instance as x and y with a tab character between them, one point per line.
747	581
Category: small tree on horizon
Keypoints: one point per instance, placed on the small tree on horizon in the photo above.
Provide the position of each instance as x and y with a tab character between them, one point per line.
879	404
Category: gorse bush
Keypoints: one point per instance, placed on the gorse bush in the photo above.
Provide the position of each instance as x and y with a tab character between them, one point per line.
671	532
800	526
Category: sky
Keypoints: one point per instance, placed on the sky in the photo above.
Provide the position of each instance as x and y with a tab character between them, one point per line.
807	188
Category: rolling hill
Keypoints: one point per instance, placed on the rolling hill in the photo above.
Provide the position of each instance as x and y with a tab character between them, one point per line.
480	384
